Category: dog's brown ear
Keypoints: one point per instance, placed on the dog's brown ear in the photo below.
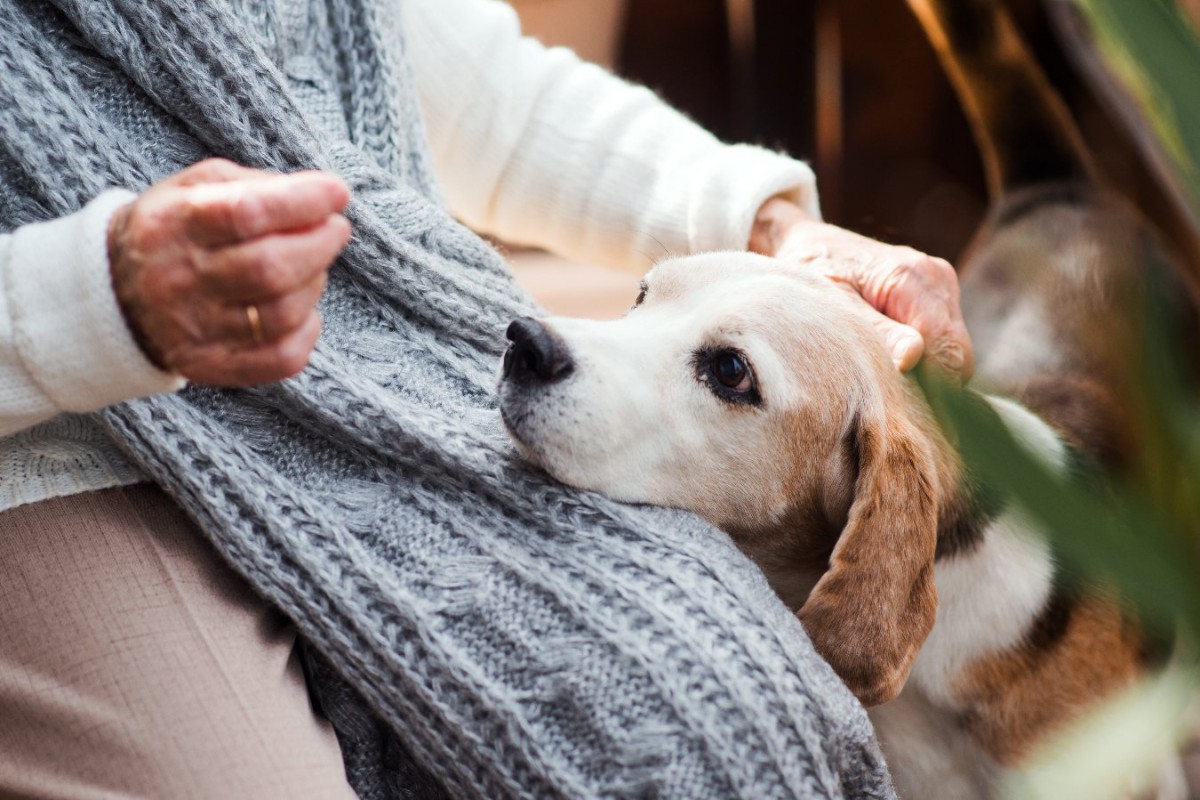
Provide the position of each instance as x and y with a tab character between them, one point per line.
871	611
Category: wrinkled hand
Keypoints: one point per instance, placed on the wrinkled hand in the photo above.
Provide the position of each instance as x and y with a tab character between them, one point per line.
218	269
914	297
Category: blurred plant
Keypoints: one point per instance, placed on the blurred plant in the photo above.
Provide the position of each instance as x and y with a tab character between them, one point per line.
1139	535
1150	46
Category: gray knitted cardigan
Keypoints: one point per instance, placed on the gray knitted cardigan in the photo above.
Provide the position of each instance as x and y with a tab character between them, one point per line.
474	629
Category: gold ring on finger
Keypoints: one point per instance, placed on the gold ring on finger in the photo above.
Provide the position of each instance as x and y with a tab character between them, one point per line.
255	320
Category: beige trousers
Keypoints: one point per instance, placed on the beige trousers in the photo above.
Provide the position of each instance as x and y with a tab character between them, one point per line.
135	663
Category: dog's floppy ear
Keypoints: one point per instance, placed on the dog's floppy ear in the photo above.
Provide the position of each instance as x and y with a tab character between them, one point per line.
871	611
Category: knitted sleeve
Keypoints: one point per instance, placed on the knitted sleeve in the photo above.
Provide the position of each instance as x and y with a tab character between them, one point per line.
537	147
64	345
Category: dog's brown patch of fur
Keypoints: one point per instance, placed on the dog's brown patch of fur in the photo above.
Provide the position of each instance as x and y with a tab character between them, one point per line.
1015	698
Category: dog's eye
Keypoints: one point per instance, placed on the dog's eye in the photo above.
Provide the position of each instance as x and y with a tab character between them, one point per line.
641	298
728	375
731	372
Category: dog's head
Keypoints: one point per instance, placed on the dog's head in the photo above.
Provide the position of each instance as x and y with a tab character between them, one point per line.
759	396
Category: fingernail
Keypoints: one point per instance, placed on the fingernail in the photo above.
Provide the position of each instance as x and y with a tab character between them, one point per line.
907	351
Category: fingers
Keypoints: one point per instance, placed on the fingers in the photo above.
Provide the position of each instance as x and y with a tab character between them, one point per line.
276	318
221	365
274	265
236	210
905	344
218	270
923	292
212	170
948	347
916	294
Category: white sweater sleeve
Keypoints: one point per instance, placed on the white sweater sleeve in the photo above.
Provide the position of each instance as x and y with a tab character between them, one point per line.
64	345
537	147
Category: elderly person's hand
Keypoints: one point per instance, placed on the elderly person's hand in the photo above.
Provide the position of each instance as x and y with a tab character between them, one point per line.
218	269
914	296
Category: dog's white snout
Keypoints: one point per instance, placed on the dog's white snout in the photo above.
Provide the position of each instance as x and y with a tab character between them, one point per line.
536	354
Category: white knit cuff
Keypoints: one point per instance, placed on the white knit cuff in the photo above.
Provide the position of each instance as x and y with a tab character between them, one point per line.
68	328
733	185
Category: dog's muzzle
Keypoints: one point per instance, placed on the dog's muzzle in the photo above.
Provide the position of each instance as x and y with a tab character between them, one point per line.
536	355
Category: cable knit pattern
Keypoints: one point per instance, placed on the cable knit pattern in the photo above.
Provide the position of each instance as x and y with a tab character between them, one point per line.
57	457
480	631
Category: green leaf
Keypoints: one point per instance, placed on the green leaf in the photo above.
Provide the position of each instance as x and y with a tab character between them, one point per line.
1111	534
1154	51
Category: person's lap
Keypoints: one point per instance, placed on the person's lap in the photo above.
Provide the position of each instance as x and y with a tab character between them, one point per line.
133	662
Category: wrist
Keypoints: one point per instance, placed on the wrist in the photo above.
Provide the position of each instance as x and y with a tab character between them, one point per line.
777	220
123	283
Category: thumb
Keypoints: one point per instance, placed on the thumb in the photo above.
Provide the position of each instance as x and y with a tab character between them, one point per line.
904	344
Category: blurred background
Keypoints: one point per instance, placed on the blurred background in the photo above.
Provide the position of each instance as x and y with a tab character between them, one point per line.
850	86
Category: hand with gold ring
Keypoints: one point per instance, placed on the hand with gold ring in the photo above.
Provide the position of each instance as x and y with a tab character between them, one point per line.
218	269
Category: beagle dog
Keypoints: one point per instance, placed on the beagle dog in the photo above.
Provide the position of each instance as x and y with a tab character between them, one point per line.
760	396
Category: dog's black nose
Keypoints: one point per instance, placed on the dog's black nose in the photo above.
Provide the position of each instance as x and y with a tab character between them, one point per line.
535	354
